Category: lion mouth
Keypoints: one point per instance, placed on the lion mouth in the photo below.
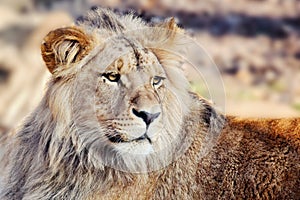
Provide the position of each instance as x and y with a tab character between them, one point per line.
117	138
143	137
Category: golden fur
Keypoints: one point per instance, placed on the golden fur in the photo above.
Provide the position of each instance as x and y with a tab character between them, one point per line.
118	122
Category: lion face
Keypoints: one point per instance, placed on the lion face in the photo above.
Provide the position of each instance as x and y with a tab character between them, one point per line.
128	98
129	102
138	109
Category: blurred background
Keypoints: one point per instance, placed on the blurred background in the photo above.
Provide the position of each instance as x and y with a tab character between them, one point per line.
254	43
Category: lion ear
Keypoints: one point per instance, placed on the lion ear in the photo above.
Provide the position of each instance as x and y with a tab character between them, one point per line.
165	37
170	25
65	46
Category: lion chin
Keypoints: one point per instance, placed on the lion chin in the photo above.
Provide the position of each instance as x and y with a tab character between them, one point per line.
118	122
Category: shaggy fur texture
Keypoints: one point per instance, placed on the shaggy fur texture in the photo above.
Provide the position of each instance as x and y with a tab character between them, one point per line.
84	140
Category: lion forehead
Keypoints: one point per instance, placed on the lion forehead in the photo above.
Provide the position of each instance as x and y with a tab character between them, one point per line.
136	59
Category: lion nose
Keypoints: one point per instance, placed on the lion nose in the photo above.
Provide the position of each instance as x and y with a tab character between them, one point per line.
147	117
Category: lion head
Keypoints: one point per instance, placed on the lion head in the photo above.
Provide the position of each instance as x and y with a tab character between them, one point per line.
117	102
118	90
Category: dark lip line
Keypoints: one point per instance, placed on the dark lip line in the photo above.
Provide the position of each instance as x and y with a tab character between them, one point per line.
143	137
118	139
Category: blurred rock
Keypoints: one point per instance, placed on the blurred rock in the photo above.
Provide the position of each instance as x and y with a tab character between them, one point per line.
22	71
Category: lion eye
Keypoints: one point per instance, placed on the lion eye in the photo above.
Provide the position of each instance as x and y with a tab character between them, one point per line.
113	77
157	81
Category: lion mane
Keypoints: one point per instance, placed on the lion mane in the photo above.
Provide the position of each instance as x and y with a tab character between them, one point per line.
118	122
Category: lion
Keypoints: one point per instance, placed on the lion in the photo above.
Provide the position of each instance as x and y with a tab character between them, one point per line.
118	122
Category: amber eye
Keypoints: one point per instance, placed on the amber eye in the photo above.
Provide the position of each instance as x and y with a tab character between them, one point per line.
157	81
111	76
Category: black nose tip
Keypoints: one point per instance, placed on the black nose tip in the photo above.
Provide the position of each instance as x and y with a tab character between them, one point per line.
147	117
